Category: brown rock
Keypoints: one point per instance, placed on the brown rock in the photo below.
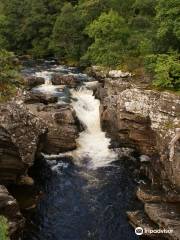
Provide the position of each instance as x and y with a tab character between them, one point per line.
38	97
63	127
68	80
33	81
167	216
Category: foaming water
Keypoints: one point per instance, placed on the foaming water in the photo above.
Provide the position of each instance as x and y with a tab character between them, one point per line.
47	87
85	197
93	145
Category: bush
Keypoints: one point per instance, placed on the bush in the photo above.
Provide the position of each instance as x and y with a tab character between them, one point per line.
166	70
3	228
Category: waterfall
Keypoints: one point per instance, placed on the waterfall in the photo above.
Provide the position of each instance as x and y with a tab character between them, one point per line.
46	75
93	144
47	87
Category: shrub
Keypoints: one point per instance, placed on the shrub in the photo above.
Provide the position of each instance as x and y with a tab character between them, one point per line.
166	70
3	228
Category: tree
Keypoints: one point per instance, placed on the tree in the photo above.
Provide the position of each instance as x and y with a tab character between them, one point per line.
3	31
9	77
168	22
110	34
167	71
68	38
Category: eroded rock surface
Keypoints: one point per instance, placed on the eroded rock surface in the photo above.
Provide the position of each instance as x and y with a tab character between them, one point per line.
68	80
63	126
33	81
149	121
20	134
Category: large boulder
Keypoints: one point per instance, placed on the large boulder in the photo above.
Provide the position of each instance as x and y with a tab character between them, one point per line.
63	126
33	81
20	137
68	80
39	97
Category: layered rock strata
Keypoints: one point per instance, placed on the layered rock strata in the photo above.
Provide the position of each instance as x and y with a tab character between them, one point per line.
148	120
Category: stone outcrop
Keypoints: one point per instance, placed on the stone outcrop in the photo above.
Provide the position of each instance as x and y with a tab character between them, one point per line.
33	81
20	134
68	80
148	120
38	97
10	209
63	126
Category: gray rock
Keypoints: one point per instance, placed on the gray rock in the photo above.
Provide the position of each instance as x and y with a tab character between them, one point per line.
20	134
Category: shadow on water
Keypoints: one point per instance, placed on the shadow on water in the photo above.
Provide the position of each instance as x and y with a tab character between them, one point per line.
82	204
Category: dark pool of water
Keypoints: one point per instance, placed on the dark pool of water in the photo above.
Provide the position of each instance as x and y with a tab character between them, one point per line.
83	204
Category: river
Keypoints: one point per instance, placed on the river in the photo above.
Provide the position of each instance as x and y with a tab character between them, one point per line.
85	198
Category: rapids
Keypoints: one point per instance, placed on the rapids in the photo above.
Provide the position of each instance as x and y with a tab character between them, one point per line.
85	198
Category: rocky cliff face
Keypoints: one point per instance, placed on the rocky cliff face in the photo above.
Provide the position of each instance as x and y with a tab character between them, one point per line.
25	131
20	134
148	120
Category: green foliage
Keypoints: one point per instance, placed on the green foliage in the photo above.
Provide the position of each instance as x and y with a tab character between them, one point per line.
9	77
110	34
104	32
3	228
67	38
168	20
3	31
166	69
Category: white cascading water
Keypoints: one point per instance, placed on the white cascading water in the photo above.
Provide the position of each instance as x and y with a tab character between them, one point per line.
93	145
92	142
47	87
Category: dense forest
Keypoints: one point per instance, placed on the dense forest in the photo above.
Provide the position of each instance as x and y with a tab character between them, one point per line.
136	35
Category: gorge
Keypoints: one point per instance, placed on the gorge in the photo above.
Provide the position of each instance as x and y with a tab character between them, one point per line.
87	176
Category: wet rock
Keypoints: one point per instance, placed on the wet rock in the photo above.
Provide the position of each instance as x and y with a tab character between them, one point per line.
63	127
33	81
10	209
38	97
20	136
68	80
167	216
25	180
139	219
148	194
